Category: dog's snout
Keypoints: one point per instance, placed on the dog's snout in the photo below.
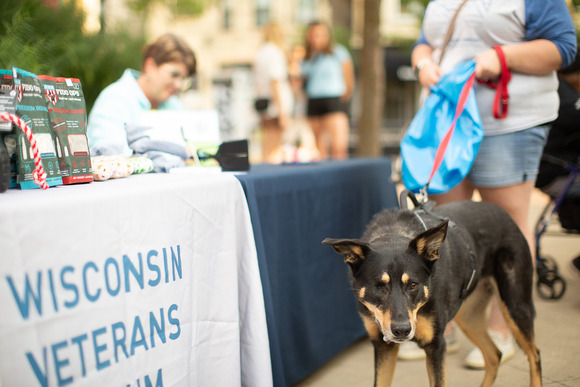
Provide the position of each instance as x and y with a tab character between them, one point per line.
401	330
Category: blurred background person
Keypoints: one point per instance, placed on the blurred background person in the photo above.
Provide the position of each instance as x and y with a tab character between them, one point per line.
272	85
298	139
295	75
168	67
328	76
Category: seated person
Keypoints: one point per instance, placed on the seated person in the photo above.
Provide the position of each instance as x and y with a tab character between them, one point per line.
168	65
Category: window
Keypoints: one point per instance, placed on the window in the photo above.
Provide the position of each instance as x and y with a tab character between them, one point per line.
227	14
306	11
262	12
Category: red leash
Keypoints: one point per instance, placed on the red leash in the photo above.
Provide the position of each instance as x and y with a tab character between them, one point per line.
502	97
443	145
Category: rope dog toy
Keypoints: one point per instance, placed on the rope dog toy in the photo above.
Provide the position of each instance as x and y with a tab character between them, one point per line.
39	174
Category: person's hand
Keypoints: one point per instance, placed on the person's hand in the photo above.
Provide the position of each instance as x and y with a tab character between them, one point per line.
345	97
487	65
429	74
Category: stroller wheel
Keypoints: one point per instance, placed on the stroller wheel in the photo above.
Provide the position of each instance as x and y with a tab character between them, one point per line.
550	285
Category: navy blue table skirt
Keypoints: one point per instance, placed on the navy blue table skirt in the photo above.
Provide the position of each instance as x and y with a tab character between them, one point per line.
310	309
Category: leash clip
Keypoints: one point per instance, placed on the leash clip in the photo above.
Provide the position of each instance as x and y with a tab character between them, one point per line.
422	197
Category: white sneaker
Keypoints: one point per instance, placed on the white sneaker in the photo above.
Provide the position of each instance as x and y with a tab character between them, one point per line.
409	350
451	340
506	345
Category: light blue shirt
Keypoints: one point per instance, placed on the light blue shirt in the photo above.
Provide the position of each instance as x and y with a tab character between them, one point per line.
325	73
120	103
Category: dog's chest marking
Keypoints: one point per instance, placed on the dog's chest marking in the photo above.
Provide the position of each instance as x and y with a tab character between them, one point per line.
425	331
371	327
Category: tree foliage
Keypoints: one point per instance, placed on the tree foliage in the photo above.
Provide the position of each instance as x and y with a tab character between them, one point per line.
178	7
142	8
52	42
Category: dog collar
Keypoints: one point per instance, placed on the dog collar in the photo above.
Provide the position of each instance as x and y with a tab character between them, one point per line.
432	215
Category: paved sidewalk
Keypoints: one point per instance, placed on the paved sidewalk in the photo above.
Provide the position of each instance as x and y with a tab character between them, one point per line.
557	330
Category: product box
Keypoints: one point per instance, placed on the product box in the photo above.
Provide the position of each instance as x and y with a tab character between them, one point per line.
67	113
6	86
31	108
7	105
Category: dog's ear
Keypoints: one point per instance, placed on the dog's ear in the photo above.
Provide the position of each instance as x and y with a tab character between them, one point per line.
427	244
354	250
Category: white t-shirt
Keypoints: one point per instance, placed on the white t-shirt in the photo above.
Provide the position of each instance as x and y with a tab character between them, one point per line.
271	64
480	25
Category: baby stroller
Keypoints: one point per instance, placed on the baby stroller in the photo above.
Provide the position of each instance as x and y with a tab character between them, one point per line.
566	204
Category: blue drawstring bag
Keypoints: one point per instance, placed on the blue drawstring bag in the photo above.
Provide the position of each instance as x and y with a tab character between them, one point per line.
430	126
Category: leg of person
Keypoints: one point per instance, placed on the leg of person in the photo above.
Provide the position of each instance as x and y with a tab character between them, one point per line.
516	201
315	110
504	173
462	191
316	124
272	138
338	128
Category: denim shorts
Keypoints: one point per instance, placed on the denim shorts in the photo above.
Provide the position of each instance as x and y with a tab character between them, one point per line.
509	159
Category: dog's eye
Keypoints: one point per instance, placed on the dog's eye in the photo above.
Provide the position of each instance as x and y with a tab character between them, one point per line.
380	285
413	285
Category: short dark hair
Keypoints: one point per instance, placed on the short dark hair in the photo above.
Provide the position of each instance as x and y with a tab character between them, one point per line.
171	48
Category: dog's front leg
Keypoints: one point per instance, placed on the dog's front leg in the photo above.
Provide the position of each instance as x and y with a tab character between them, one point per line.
385	361
436	353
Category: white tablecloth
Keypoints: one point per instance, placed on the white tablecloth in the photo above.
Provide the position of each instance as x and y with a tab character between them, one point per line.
147	280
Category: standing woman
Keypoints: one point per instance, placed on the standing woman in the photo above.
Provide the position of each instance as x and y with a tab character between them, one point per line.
537	38
328	74
272	84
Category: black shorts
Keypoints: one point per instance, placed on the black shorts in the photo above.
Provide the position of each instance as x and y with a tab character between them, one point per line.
322	106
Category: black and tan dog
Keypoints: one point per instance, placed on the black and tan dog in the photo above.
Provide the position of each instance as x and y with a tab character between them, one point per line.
415	270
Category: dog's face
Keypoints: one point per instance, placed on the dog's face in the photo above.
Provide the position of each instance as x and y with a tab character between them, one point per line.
391	278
